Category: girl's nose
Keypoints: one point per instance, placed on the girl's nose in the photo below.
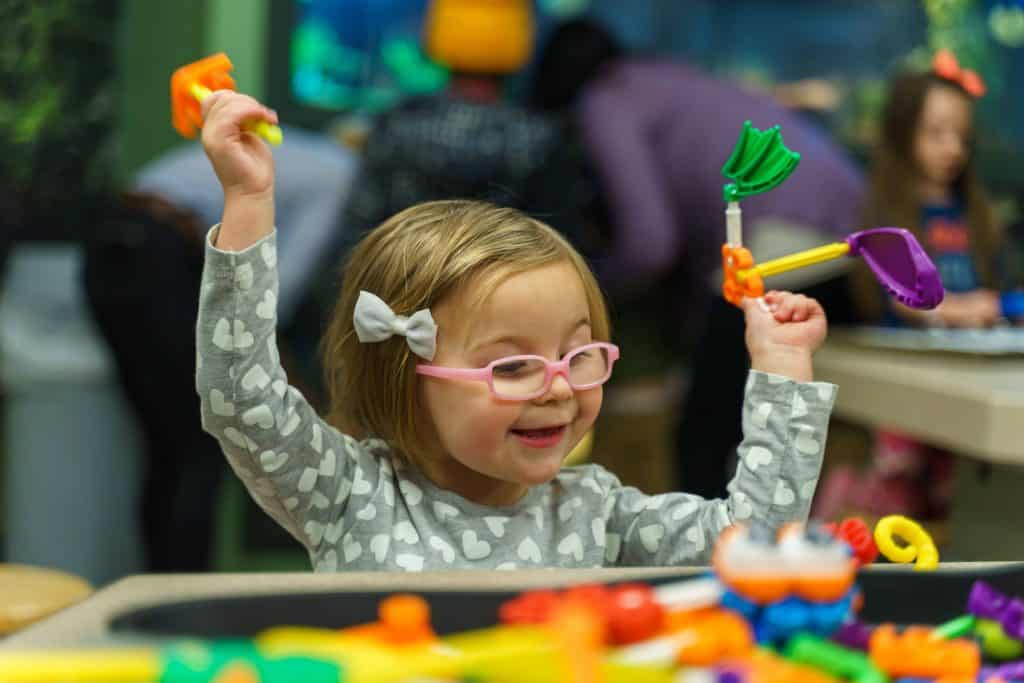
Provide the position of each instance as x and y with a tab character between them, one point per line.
560	389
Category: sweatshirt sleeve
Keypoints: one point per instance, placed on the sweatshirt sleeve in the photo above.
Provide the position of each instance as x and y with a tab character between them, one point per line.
785	424
297	467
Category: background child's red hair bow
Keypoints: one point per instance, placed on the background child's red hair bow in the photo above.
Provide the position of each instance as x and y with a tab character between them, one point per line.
945	66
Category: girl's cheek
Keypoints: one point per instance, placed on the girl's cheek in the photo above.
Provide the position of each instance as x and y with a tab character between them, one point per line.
590	405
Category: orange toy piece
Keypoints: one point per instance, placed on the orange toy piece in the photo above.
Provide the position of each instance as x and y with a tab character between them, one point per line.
580	635
764	667
212	73
777	578
237	673
404	620
717	634
488	37
192	83
917	653
735	259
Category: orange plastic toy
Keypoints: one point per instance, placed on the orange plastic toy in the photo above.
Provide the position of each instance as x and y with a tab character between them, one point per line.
765	667
404	620
734	260
776	577
480	36
717	634
917	653
192	83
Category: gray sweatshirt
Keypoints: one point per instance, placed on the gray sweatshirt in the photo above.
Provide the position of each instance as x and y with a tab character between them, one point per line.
354	505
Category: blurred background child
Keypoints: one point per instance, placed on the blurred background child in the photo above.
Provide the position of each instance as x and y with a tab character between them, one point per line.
923	178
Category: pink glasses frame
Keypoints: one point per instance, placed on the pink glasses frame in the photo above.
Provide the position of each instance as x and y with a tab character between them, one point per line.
551	368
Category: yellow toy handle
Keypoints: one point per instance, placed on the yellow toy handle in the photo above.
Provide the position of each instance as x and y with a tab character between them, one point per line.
919	543
267	131
801	259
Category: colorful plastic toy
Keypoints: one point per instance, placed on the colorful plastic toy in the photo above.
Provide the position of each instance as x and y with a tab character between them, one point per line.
985	602
994	641
193	83
917	652
834	659
489	37
803	582
806	562
1011	304
683	631
760	162
919	547
857	534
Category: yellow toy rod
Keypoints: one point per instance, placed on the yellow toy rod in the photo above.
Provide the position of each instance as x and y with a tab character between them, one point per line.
801	259
265	130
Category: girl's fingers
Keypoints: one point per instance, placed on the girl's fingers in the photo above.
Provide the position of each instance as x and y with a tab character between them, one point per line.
789	307
785	308
231	110
208	103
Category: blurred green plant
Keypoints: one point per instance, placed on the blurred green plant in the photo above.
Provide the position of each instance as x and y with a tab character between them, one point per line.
56	112
961	27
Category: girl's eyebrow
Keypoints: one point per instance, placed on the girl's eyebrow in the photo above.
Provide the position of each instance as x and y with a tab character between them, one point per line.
522	340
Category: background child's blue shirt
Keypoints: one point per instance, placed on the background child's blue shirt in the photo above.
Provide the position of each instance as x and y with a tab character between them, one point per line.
946	238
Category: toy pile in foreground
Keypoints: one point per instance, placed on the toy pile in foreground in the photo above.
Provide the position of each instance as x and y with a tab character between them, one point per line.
775	609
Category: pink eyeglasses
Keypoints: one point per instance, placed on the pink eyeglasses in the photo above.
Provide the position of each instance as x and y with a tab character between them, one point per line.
523	378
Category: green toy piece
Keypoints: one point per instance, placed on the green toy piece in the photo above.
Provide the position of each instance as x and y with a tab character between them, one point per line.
849	665
994	641
203	663
759	162
955	628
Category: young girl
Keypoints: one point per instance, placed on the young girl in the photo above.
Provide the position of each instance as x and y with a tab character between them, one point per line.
923	179
465	359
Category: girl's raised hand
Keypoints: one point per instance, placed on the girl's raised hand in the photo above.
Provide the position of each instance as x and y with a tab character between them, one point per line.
783	332
242	161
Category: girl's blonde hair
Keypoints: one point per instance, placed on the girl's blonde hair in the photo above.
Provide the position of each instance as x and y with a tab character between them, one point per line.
412	261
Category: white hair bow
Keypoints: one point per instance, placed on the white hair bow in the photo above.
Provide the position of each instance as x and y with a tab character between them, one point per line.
375	321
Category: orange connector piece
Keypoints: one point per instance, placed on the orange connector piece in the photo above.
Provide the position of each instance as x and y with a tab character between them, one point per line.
734	260
917	653
403	620
717	635
212	73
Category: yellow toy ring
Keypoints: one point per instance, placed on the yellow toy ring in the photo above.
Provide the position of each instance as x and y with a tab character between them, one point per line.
919	543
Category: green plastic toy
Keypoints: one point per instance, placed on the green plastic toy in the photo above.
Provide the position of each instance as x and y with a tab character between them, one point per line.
833	659
759	162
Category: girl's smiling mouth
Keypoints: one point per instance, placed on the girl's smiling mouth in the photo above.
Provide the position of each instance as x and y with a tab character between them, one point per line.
543	437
